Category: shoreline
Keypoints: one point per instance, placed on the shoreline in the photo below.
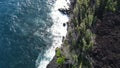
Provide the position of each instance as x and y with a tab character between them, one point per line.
57	30
92	39
53	63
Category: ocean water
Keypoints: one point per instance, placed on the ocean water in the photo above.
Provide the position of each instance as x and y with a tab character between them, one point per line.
30	30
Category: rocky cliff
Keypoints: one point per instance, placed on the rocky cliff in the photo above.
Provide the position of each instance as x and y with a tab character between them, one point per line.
93	36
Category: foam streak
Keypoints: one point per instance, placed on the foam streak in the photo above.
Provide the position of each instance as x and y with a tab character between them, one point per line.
57	30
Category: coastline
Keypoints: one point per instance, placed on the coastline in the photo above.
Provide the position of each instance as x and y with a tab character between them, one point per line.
72	3
57	30
88	43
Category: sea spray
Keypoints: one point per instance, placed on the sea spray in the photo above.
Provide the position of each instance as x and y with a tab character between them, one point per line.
57	30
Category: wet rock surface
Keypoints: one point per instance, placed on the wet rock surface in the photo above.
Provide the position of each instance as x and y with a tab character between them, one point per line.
64	11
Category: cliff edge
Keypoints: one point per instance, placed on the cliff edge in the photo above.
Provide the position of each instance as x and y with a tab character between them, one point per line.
93	38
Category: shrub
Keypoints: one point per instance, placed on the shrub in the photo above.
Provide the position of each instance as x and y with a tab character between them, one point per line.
111	5
61	60
58	52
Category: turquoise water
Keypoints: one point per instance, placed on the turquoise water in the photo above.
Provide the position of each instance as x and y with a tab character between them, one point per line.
23	32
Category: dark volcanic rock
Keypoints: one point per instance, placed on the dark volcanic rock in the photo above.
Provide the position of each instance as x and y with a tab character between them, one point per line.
64	11
53	63
106	51
64	24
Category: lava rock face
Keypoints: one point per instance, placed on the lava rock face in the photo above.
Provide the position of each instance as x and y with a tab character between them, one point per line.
106	51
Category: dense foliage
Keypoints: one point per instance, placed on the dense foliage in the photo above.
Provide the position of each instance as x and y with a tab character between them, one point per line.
80	37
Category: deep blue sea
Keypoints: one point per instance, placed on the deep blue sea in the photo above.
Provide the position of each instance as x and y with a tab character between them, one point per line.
23	34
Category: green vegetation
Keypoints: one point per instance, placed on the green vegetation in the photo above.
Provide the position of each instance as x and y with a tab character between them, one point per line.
61	60
58	52
80	35
84	16
83	19
111	5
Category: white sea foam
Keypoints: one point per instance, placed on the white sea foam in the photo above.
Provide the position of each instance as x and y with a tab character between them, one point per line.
57	30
